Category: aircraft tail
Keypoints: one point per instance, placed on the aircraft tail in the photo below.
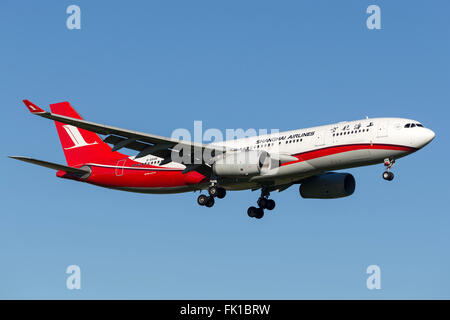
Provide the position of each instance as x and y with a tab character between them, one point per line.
80	146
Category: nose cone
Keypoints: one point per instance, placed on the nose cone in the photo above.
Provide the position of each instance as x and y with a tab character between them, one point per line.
426	136
429	135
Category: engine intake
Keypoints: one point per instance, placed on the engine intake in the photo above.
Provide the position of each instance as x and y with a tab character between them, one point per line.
329	185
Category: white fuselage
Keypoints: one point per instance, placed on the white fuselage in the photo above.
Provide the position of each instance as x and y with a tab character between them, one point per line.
310	151
337	146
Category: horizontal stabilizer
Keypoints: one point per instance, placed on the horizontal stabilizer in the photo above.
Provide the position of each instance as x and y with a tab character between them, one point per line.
55	166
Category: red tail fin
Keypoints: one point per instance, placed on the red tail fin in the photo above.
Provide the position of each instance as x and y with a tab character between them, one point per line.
80	146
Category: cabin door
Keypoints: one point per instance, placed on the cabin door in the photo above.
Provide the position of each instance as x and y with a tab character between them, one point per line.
382	129
319	138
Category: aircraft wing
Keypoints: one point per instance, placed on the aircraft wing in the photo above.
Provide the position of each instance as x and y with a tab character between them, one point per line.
146	143
122	138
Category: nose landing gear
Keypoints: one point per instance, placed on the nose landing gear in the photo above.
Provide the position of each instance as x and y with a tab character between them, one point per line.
388	163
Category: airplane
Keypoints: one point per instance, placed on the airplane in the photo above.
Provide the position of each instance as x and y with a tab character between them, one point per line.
271	162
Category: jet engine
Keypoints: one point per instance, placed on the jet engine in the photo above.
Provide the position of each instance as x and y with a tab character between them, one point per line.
240	163
329	185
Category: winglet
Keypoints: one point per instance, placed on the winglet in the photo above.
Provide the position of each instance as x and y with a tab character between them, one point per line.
32	107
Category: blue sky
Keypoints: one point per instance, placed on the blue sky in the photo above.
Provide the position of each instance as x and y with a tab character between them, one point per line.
155	66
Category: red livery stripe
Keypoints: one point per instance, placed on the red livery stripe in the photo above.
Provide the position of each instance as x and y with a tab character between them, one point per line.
327	151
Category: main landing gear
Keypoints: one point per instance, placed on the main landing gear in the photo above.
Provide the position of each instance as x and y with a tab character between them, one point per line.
214	192
263	203
388	163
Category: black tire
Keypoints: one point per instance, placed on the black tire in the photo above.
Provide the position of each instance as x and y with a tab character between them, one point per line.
259	213
221	193
202	199
387	175
210	202
262	202
270	205
252	212
213	191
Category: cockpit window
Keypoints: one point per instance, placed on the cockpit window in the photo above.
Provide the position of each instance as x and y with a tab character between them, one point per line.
413	125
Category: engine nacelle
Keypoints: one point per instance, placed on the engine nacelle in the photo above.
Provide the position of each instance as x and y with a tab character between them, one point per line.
329	185
241	163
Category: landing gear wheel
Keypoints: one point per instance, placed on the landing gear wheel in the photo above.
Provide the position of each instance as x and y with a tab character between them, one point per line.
202	199
213	191
259	213
252	212
265	203
270	204
387	175
221	193
210	202
388	163
262	202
